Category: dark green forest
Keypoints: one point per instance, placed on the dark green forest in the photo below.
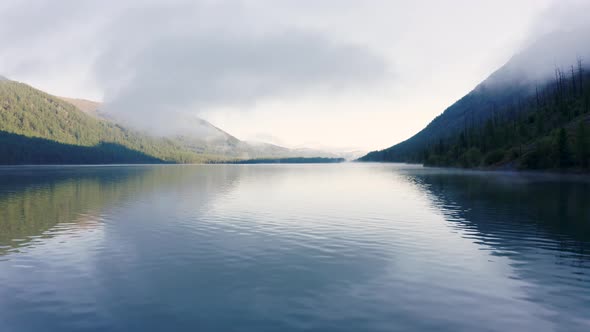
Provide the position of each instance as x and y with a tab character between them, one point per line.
38	128
547	128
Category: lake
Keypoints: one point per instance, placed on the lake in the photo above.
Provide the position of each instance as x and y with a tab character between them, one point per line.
335	247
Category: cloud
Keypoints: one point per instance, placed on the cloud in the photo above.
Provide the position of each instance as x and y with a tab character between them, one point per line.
196	71
557	39
153	59
304	70
562	15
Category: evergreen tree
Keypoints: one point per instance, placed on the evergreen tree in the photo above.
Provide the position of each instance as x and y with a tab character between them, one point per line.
562	149
582	145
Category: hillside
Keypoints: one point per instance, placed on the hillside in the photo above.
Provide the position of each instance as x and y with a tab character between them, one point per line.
200	136
548	130
87	106
197	134
38	128
511	118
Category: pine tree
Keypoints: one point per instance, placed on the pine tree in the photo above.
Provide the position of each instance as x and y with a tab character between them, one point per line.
562	149
582	145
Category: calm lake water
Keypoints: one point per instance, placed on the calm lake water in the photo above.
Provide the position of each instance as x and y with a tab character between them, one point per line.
347	247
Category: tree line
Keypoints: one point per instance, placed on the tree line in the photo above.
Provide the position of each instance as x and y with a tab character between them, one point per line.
37	128
549	129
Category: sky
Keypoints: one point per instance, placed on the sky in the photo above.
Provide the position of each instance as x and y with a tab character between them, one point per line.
333	74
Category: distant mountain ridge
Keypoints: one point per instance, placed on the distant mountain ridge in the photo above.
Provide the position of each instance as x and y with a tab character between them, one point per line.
38	128
200	136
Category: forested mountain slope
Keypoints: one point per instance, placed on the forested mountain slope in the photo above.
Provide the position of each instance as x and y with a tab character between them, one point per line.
87	106
37	128
513	119
548	130
200	136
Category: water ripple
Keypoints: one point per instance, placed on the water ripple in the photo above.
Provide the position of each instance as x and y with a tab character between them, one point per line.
292	247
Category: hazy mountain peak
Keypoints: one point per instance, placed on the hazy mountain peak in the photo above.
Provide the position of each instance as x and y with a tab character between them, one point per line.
527	71
536	63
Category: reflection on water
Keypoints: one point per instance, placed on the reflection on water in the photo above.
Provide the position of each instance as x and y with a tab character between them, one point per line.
33	201
540	222
292	247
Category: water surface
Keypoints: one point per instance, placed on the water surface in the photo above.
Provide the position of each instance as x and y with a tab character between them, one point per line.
347	247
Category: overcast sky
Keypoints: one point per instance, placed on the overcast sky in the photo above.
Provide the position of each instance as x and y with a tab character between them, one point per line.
338	73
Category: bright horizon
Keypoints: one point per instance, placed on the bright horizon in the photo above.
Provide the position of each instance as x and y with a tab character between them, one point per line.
341	75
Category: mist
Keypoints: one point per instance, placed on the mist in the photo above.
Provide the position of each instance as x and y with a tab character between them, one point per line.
177	74
558	39
158	63
297	71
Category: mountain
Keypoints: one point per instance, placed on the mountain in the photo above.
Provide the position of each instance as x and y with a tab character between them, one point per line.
511	116
38	128
195	130
193	134
202	137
